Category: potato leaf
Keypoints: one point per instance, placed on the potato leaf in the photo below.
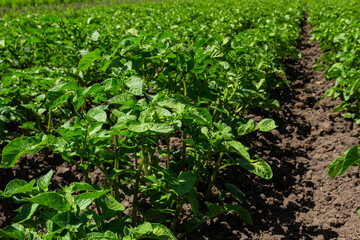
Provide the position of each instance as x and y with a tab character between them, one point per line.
258	167
85	199
239	148
44	182
235	192
97	114
216	209
88	59
18	186
135	86
185	183
21	146
26	212
266	125
51	200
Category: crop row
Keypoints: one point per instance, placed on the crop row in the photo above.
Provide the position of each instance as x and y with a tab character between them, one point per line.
31	3
108	87
336	26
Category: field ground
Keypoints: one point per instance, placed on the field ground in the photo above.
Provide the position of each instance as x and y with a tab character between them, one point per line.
300	202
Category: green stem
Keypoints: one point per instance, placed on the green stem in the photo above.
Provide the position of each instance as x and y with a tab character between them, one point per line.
179	204
144	156
136	192
184	87
49	122
168	152
115	191
117	155
216	105
213	176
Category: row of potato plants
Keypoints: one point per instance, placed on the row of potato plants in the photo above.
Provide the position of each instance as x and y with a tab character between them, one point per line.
43	3
336	25
110	86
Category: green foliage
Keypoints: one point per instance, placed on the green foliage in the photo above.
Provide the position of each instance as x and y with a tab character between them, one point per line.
336	26
105	89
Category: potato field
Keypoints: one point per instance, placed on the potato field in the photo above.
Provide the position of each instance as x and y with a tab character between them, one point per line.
193	119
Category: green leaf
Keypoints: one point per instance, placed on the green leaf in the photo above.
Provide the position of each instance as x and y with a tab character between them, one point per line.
266	125
26	212
81	186
202	116
65	86
97	114
185	183
235	192
258	167
319	67
28	125
102	236
21	146
335	166
144	229
124	99
15	231
18	186
224	64
95	36
177	103
134	126
51	200
123	121
88	59
64	220
216	209
161	128
135	85
55	101
85	199
44	182
351	157
110	206
237	147
194	202
161	232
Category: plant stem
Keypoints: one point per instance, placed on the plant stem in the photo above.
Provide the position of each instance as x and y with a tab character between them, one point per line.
184	87
213	176
115	191
117	156
49	122
144	156
179	204
168	152
136	187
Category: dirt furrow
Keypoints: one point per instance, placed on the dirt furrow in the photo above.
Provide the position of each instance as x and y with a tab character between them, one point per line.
300	202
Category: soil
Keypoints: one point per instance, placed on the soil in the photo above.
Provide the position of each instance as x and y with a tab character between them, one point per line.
301	201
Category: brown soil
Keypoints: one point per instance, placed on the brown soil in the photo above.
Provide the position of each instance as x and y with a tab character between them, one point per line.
300	202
